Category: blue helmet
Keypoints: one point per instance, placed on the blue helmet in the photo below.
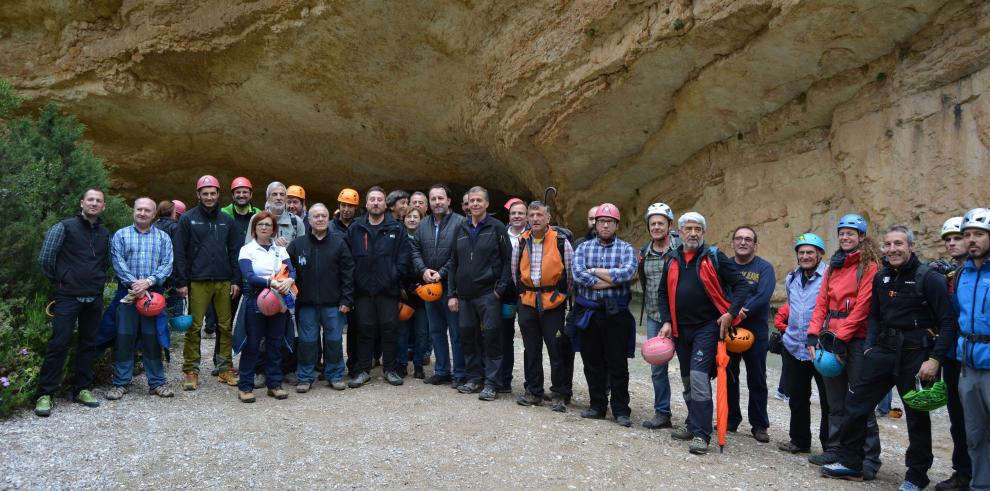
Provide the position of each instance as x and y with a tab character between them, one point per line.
809	239
852	220
827	363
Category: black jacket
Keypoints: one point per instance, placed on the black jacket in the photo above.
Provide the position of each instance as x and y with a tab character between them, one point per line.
435	254
324	270
206	247
84	258
381	259
481	266
167	225
900	308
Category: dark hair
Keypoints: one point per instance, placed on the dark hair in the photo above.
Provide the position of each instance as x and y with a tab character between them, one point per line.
420	193
745	227
372	189
165	208
395	196
258	218
98	190
441	186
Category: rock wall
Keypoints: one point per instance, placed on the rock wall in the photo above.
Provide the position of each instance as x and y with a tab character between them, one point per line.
780	114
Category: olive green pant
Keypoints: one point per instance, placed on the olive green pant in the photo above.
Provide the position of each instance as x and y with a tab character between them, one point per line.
201	294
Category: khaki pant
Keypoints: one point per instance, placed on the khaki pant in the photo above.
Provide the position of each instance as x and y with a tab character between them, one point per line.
201	294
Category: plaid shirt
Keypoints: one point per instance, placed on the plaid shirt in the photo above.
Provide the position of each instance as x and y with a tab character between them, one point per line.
653	270
49	249
138	256
536	262
619	258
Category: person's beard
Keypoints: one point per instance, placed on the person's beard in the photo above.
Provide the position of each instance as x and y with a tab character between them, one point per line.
276	208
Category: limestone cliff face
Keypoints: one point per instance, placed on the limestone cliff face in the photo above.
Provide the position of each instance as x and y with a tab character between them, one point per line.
780	114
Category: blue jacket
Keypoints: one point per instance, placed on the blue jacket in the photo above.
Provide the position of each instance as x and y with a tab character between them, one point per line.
801	297
972	303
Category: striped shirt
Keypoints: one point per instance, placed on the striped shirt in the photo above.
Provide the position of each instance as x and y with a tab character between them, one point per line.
618	257
141	255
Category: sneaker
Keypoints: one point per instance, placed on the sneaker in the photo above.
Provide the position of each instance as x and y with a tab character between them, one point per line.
161	391
361	379
682	434
698	446
228	377
190	381
528	399
245	396
592	414
393	378
44	406
278	393
956	482
559	405
836	470
419	373
338	384
488	394
909	486
790	447
761	435
659	420
437	379
625	421
259	381
86	398
303	388
116	392
470	388
824	458
780	396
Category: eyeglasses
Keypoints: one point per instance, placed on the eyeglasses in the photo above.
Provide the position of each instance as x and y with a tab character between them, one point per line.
744	239
606	221
264	224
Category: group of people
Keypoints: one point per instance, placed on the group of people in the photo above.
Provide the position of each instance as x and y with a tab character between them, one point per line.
409	276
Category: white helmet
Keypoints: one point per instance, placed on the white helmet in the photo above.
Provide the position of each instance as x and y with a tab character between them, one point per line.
976	218
659	209
952	226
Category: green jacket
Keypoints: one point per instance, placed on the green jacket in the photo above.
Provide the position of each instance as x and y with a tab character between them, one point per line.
229	209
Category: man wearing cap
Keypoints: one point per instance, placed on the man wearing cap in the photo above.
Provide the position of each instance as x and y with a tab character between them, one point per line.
295	201
240	207
600	324
348	201
659	222
206	248
700	299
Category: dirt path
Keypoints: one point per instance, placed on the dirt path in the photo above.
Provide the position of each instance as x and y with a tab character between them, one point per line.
414	435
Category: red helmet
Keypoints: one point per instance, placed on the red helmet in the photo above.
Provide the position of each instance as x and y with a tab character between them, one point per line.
607	210
207	181
180	207
658	351
512	201
150	305
270	302
240	182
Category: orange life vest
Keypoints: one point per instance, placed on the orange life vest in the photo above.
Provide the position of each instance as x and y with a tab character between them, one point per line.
548	294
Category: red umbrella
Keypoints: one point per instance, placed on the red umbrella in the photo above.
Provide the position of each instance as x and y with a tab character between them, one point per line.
722	410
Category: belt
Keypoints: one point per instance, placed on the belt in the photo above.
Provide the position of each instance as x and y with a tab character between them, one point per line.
976	338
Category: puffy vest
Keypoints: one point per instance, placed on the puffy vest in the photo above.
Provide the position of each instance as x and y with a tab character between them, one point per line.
552	273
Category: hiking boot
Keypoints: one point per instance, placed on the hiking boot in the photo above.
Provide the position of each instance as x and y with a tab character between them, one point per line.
909	486
419	373
528	399
488	394
559	405
338	384
869	474
393	378
116	392
698	446
228	377
245	396
835	470
361	379
259	381
592	414
824	458
625	421
956	482
86	398
682	434
761	435
790	447
469	388
278	393
190	381
161	391
659	420
303	388
44	406
437	379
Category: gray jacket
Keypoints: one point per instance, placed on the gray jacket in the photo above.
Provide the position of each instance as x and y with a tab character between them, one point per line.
432	250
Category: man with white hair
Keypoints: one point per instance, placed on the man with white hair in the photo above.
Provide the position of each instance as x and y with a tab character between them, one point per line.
694	310
290	226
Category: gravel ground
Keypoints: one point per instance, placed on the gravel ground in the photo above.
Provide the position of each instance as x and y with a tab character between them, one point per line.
414	435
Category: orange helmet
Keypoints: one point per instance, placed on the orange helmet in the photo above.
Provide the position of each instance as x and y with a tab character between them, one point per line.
405	312
430	292
350	196
296	191
740	341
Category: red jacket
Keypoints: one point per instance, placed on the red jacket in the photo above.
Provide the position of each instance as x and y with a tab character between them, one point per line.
841	293
780	320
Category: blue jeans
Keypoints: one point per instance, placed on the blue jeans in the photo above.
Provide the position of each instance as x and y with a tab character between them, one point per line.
884	407
311	318
416	328
129	326
661	383
443	322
